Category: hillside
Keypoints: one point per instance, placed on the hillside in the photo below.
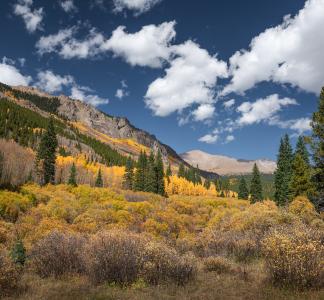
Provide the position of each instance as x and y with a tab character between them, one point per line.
83	128
225	165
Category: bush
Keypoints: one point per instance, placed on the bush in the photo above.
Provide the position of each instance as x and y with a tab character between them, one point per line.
294	257
114	257
218	264
162	263
9	276
57	254
303	208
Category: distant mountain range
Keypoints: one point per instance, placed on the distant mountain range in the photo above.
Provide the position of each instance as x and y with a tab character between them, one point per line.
224	165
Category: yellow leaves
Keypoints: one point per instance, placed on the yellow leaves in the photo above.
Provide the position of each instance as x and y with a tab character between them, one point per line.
303	208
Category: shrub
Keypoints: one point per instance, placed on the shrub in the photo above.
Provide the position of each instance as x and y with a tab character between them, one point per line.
57	254
114	257
303	208
162	263
294	257
218	264
9	276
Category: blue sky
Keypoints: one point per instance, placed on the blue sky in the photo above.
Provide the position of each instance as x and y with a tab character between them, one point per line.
227	77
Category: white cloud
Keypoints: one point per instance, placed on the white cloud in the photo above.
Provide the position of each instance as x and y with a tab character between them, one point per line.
262	109
10	75
32	18
122	92
229	139
147	47
190	79
137	6
85	94
203	112
209	138
289	53
229	103
300	125
50	82
69	47
68	5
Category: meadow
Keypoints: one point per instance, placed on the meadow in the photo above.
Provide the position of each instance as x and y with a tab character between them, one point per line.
64	242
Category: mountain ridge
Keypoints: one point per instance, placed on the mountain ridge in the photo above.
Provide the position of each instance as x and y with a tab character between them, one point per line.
225	165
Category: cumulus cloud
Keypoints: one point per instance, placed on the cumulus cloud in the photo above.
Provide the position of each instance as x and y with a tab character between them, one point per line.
32	18
262	109
229	139
147	47
67	46
122	92
203	112
86	94
291	52
300	125
10	75
229	103
137	6
190	79
50	82
68	6
209	138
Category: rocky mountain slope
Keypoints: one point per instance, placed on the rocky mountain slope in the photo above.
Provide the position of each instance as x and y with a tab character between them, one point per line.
224	165
117	132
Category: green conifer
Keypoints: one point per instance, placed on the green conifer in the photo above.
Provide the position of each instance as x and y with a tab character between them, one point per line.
129	174
256	186
302	150
318	152
181	171
99	181
140	174
72	177
243	192
159	174
18	253
151	175
207	184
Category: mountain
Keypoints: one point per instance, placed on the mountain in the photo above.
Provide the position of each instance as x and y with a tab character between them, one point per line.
81	126
225	165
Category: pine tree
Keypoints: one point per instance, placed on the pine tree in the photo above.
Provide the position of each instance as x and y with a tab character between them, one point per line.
318	152
159	174
140	174
18	253
46	155
243	192
168	170
302	150
181	171
207	184
301	184
283	172
256	186
99	181
72	178
129	174
151	175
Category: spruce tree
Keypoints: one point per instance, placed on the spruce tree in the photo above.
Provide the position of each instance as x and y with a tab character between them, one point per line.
283	172
207	184
159	174
302	150
318	152
140	174
72	177
301	184
151	175
168	170
256	186
129	174
243	192
46	155
181	171
99	181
